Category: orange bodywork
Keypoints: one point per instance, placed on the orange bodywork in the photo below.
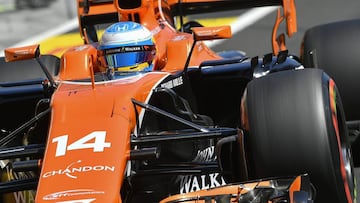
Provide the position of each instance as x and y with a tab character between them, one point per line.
28	52
289	17
88	145
106	116
85	55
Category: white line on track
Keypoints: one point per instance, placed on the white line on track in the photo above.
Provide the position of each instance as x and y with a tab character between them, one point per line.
242	22
66	27
245	20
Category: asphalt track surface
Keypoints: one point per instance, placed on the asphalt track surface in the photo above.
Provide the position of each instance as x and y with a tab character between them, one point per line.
18	25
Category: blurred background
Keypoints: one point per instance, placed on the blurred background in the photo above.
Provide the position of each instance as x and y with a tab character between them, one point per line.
32	21
22	4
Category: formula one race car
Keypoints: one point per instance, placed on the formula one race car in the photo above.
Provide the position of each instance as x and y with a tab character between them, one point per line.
144	111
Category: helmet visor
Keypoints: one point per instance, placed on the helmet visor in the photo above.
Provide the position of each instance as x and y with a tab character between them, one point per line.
127	56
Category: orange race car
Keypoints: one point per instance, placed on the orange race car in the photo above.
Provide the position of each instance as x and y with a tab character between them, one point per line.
144	111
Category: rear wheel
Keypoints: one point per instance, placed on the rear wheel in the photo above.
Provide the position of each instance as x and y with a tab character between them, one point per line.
334	47
296	125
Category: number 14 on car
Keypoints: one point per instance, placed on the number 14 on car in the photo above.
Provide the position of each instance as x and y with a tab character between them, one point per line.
98	143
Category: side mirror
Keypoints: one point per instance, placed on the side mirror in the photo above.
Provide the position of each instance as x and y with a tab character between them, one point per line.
22	53
210	33
29	52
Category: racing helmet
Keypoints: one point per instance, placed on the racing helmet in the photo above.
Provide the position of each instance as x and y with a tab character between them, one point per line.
125	48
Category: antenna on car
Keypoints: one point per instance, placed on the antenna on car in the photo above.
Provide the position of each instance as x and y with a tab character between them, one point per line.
207	33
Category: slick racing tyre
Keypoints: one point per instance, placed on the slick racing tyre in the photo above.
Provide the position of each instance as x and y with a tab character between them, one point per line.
296	125
334	47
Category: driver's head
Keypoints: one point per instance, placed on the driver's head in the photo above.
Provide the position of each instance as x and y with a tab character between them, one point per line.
126	47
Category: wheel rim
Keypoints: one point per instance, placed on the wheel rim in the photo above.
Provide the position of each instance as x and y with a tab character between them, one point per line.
344	151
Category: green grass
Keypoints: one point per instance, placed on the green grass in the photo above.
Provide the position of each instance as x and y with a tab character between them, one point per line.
5	8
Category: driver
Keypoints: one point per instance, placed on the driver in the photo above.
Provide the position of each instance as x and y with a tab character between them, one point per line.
126	48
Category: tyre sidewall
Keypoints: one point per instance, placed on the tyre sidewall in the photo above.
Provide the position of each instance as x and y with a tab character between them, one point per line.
291	130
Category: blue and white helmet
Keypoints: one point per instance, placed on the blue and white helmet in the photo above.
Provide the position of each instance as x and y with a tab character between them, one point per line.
126	47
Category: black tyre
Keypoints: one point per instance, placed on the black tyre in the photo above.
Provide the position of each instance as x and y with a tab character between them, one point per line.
334	47
296	125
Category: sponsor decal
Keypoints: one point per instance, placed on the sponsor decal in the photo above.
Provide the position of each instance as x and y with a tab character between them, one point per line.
194	183
79	201
71	193
173	83
73	169
120	27
80	48
207	154
27	196
179	38
191	183
130	49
